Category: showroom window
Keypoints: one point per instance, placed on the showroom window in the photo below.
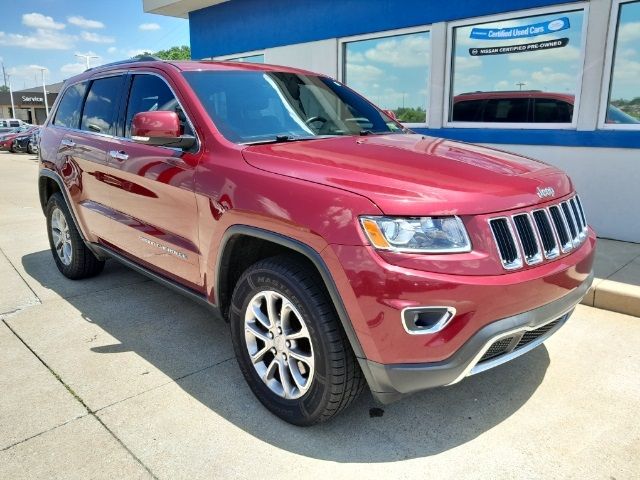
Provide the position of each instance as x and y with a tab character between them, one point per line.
511	71
622	107
392	72
249	59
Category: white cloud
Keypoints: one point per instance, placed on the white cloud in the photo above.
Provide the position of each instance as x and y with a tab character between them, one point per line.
467	63
362	73
41	39
137	51
84	22
37	20
517	72
629	32
70	69
552	80
563	54
25	75
502	85
410	51
464	83
112	50
354	57
96	38
149	26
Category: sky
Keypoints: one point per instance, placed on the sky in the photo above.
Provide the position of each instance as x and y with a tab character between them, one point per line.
626	71
48	33
390	71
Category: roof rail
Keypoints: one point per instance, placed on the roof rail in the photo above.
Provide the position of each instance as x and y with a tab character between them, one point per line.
498	91
141	58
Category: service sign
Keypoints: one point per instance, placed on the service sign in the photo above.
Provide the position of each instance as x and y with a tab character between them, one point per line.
521	31
30	100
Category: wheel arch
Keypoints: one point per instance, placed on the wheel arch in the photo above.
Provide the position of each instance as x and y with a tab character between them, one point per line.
49	182
275	243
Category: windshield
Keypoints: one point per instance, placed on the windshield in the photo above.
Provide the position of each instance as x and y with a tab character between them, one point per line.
253	107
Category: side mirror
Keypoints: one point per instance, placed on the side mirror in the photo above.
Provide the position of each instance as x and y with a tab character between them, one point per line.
391	114
160	128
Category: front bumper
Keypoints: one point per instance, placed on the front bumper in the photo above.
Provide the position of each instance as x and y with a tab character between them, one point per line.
392	381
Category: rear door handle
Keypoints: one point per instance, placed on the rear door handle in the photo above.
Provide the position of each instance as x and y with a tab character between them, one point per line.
68	143
118	155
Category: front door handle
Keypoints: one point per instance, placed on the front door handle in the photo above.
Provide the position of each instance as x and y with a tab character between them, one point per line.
68	143
118	155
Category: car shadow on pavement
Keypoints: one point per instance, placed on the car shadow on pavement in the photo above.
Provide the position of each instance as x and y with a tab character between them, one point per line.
177	337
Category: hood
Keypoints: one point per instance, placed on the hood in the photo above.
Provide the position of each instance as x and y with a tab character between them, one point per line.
413	174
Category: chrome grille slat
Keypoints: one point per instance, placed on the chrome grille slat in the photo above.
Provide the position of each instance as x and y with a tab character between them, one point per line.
584	219
528	239
532	236
571	223
545	230
561	228
505	241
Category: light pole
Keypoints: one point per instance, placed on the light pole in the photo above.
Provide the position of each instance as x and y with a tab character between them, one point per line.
521	84
86	58
44	90
13	108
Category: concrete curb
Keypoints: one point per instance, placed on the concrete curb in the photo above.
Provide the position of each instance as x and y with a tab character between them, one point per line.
614	296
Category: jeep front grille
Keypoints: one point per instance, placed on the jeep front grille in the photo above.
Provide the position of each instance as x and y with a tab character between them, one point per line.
532	236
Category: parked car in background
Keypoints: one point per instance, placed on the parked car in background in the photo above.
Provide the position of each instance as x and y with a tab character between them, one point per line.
7	140
523	106
342	248
26	142
8	124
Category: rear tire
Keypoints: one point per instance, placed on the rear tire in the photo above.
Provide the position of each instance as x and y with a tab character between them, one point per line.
316	374
73	258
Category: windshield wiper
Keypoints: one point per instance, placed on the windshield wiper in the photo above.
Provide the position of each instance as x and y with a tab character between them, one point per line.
287	138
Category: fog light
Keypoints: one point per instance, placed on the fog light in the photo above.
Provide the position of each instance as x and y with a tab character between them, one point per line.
423	320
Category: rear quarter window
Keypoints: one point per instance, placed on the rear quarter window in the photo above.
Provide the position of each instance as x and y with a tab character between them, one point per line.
68	113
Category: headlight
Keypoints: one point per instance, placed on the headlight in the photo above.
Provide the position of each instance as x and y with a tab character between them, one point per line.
417	234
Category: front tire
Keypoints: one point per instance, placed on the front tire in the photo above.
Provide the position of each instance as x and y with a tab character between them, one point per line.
289	342
73	258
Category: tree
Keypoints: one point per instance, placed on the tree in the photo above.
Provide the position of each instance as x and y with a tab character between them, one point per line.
174	53
4	89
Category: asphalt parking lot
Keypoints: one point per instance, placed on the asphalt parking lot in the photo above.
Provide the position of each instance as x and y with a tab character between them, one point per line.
118	377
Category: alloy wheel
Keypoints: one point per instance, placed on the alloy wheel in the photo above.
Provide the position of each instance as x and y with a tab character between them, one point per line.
61	236
279	344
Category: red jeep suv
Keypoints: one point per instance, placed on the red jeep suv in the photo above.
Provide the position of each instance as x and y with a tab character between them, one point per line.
342	248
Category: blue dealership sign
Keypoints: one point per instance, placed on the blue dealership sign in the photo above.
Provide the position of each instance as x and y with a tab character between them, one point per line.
522	31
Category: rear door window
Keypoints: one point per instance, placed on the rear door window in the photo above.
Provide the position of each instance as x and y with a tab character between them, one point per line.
101	106
467	111
68	113
507	110
549	110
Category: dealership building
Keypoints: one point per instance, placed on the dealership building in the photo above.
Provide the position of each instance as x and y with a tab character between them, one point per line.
559	82
29	103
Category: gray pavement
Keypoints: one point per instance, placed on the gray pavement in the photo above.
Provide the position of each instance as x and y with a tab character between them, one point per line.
118	377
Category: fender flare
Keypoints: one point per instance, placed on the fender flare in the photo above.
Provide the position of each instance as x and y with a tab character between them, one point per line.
312	255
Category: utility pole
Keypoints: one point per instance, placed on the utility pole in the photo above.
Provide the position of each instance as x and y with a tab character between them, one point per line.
86	58
4	74
13	108
521	84
44	90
